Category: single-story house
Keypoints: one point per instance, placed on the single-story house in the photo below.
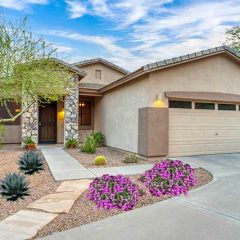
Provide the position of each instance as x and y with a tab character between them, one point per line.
188	105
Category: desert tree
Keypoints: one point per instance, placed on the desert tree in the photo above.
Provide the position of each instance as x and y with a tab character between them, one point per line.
233	38
29	69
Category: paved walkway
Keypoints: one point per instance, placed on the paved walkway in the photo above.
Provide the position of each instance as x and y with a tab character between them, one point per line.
63	166
211	212
25	224
125	170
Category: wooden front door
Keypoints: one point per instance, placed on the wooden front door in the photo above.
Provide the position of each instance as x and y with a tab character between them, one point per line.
48	123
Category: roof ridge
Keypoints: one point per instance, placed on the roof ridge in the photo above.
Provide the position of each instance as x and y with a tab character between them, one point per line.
102	60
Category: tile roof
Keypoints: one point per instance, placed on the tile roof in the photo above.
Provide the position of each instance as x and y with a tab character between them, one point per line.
103	61
191	56
95	86
70	67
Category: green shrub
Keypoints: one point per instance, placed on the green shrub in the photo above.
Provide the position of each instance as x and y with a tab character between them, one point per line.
100	160
131	158
89	145
71	143
14	186
98	137
30	162
28	141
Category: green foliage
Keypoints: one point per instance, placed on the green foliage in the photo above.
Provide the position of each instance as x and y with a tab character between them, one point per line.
131	158
89	145
2	132
30	162
14	186
28	141
29	68
233	38
98	137
71	143
100	160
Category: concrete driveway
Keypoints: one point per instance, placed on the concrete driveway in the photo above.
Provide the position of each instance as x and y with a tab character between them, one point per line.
207	213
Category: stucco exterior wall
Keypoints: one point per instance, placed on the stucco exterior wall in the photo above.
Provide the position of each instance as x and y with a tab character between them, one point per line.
116	114
108	74
213	74
13	134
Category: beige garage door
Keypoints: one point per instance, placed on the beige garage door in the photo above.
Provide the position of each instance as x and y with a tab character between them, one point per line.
196	132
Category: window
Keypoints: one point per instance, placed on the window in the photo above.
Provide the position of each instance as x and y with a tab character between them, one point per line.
98	74
204	105
14	109
180	104
85	114
227	107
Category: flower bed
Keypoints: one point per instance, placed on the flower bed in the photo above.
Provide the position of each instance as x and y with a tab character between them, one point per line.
114	192
169	177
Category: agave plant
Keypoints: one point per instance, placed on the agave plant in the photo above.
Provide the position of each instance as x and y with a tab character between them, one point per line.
30	162
14	186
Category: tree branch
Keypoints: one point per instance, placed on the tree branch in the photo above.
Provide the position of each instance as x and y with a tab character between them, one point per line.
12	119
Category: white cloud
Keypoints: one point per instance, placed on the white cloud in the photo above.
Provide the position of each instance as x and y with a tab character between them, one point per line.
124	12
20	4
62	48
108	43
76	8
154	31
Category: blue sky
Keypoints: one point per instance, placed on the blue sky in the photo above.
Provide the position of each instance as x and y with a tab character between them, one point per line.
130	33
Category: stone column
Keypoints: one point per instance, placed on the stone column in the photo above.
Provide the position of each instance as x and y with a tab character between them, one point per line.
71	112
30	121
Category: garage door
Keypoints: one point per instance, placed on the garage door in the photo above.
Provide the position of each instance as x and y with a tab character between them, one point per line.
196	132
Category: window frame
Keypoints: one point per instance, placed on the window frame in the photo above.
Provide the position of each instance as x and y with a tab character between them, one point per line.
214	105
233	110
90	127
186	101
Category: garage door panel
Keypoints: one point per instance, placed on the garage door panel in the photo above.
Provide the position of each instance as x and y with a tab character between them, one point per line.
193	132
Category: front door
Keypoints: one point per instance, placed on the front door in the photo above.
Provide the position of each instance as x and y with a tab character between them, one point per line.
48	123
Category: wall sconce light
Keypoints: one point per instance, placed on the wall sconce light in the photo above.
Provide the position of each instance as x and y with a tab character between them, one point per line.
61	114
17	110
159	102
82	104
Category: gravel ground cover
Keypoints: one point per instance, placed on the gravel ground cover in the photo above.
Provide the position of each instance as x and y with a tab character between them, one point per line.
84	211
113	157
41	183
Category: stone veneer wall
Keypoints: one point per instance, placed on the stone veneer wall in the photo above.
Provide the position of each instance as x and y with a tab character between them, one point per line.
71	113
30	122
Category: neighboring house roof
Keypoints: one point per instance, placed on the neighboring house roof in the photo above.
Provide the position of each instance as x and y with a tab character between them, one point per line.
103	61
171	62
71	67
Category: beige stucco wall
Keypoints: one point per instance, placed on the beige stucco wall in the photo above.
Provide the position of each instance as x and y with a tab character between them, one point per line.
213	74
116	114
108	74
13	134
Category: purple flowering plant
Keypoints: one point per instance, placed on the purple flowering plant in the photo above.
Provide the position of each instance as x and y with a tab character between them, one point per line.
169	178
111	192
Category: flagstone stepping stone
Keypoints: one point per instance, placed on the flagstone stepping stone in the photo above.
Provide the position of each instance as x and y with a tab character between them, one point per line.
74	186
24	224
56	203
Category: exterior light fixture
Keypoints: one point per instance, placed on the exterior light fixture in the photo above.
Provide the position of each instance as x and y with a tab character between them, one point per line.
159	102
17	110
82	104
